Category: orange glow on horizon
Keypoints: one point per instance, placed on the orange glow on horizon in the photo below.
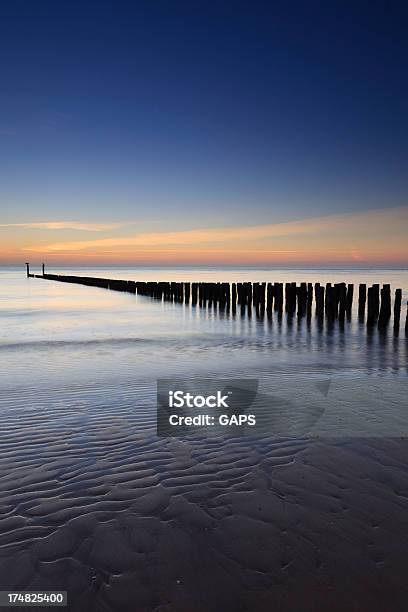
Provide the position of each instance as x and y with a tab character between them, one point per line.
367	239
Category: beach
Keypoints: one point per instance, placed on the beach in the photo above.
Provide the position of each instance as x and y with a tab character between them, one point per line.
93	502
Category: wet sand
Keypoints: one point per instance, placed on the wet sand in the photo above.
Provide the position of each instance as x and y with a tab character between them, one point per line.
125	521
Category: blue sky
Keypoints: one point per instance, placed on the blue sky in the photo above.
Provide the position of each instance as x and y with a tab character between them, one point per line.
178	116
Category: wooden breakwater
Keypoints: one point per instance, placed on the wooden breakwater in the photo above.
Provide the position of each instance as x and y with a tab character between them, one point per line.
330	301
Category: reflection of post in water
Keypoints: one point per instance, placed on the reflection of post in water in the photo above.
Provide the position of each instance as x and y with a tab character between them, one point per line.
299	322
289	321
370	334
280	322
383	345
320	324
330	325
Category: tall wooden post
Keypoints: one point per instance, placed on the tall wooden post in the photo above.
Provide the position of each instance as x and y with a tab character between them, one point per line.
43	269
28	268
186	293
349	299
309	299
362	297
269	298
373	304
319	292
278	294
406	323
385	310
397	309
341	297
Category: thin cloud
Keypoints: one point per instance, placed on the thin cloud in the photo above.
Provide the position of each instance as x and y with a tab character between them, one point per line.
186	237
62	225
373	231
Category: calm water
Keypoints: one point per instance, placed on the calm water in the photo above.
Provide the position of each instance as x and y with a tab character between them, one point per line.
54	333
57	336
83	473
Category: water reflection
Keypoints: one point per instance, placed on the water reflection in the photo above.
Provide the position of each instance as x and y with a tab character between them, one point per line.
60	332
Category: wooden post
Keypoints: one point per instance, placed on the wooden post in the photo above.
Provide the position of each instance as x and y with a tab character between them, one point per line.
362	296
287	296
370	305
28	268
385	310
210	293
249	287
373	301
329	300
339	294
217	292
43	269
278	294
248	297
319	296
290	297
234	294
397	308
194	289
301	293
255	292
349	299
320	303
269	298
309	299
186	293
342	300
261	301
234	298
406	323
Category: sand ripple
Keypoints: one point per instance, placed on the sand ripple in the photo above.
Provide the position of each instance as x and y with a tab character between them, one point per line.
92	502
